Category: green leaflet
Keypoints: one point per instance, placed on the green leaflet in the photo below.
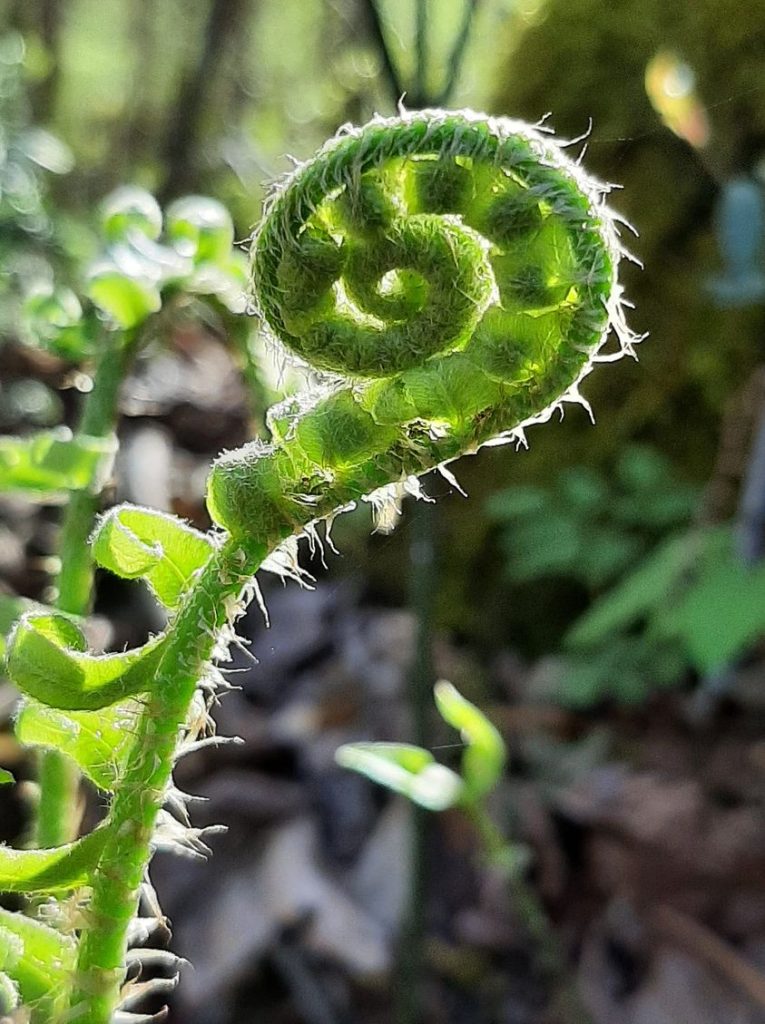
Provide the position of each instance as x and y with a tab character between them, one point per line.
12	608
40	960
52	462
11	948
5	777
201	228
639	592
48	660
130	211
485	754
138	542
721	609
405	769
127	300
99	742
64	867
415	774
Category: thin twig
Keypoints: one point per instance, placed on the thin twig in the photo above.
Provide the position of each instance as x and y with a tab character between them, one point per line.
701	942
392	75
456	57
421	50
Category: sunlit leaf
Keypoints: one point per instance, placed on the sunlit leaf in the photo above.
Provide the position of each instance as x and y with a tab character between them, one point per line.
202	228
138	542
128	210
48	464
47	659
52	318
99	742
11	610
54	870
40	960
128	301
45	150
405	769
47	310
484	758
639	592
5	777
11	948
227	281
722	611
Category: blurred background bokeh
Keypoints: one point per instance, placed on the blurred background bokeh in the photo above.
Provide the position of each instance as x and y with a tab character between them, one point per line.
601	595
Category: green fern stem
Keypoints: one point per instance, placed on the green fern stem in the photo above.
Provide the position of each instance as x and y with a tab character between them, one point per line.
122	866
57	813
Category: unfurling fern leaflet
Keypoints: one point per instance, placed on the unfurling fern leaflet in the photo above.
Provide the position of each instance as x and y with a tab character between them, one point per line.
452	278
456	275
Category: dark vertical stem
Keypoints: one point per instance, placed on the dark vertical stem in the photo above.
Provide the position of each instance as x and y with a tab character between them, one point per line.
136	134
223	23
422	588
377	34
457	55
421	51
51	16
408	999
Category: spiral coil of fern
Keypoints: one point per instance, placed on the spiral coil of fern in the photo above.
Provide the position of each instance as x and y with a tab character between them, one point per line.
454	275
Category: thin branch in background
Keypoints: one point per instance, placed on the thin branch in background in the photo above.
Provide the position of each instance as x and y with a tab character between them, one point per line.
377	32
224	22
457	55
423	585
420	90
51	23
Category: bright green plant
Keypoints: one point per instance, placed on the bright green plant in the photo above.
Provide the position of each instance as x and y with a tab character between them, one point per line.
414	772
454	277
28	240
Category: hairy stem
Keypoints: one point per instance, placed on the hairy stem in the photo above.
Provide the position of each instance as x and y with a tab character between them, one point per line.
189	646
57	815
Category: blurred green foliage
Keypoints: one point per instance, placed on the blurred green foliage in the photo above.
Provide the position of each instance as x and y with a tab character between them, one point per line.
665	598
591	525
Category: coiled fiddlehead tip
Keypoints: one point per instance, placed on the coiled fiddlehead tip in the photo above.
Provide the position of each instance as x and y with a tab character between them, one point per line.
458	272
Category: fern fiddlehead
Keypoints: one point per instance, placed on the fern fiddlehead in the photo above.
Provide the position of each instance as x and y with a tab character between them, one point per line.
455	274
453	277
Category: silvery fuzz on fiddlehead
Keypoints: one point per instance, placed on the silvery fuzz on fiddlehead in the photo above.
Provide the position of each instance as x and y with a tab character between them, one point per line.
452	276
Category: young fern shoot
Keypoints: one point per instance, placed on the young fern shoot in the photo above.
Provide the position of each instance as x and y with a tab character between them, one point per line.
452	277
